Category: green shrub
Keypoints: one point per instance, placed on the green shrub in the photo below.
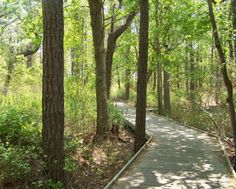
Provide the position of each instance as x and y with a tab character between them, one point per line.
80	102
15	163
115	115
18	127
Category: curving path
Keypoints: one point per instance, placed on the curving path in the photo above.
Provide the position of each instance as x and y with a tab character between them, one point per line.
177	158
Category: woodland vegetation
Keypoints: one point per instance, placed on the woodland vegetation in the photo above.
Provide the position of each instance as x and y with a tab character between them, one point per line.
64	63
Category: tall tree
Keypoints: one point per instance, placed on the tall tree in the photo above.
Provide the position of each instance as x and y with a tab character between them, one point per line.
227	81
142	76
233	8
53	88
111	44
166	85
97	22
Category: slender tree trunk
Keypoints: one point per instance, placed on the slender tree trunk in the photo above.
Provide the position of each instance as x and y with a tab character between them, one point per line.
178	76
53	89
127	76
10	67
192	72
217	84
227	81
111	44
233	8
187	72
159	67
118	78
167	106
159	89
97	22
127	83
154	84
142	77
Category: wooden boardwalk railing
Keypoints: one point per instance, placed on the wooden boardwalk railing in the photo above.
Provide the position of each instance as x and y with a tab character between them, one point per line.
177	158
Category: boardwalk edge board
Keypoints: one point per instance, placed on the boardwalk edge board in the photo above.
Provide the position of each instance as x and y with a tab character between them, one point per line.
227	159
118	175
232	171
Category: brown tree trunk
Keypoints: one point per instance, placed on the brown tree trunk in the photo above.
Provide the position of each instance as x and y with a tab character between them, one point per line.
159	90
233	8
217	84
142	77
53	89
187	72
167	106
154	84
227	81
10	67
97	23
127	75
178	76
192	72
111	44
127	83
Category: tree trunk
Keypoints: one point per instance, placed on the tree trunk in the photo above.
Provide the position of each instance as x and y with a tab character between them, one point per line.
159	90
167	107
217	84
187	72
227	81
142	77
233	8
10	67
192	72
127	75
159	67
53	89
127	83
178	76
154	84
111	44
97	23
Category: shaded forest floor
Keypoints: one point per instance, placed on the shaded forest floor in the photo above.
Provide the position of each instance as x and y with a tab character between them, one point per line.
87	164
101	162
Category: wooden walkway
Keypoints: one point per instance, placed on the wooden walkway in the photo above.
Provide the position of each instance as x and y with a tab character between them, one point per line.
177	158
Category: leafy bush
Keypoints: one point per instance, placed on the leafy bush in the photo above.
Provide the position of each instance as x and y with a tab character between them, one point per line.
16	163
80	102
115	115
18	127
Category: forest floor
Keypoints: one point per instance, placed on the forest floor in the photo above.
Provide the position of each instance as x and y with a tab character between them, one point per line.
100	162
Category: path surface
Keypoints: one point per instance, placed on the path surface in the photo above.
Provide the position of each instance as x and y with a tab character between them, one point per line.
177	158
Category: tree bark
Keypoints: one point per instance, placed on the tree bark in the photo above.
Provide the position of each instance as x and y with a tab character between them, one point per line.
10	67
159	89
111	44
53	89
97	23
233	8
167	106
142	77
154	84
187	72
159	66
127	76
227	81
192	72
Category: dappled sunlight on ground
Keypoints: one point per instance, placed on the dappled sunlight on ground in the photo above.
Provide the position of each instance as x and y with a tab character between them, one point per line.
177	158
